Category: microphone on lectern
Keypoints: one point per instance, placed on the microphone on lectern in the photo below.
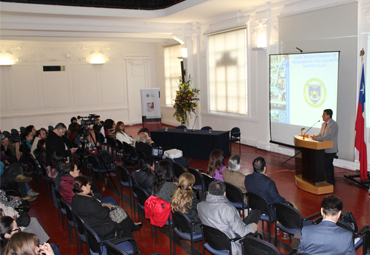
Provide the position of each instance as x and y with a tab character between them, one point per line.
311	127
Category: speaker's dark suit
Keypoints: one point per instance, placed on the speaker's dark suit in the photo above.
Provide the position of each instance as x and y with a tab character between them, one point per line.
326	238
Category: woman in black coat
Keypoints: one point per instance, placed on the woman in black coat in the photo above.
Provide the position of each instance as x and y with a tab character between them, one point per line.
93	212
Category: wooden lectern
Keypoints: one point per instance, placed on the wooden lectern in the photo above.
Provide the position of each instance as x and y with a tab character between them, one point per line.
313	165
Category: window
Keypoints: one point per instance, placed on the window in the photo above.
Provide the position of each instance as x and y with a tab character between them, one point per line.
172	72
227	62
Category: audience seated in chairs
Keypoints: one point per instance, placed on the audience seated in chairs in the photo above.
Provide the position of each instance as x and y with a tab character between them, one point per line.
27	243
121	134
26	146
163	185
40	134
74	133
184	199
145	176
326	237
92	211
216	164
217	205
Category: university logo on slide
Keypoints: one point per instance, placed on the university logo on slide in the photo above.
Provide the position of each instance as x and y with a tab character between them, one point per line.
314	92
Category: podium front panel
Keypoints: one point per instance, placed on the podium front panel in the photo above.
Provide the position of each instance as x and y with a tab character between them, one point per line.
313	165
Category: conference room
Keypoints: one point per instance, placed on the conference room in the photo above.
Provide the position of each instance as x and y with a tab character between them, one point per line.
59	60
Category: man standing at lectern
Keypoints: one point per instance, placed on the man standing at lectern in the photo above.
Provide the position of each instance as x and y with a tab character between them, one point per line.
329	132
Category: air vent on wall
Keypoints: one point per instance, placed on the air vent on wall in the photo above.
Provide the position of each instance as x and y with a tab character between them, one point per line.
54	68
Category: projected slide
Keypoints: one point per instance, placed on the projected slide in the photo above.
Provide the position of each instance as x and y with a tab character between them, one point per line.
301	87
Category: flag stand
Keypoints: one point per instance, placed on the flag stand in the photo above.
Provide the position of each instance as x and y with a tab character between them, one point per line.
363	183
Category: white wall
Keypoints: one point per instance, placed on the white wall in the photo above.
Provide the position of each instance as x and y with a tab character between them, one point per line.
112	90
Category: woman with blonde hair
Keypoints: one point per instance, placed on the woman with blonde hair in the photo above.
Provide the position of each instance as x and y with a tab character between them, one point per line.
23	243
121	134
184	199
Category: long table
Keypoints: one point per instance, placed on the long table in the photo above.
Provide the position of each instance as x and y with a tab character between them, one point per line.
194	144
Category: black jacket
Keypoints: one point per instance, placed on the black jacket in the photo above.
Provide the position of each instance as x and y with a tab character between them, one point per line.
55	143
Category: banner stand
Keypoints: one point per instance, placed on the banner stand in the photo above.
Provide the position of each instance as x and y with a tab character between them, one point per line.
151	109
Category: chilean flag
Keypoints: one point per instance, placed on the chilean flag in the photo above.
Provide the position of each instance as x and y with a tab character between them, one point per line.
360	142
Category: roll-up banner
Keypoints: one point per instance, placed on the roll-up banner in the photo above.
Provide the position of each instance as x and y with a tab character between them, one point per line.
151	109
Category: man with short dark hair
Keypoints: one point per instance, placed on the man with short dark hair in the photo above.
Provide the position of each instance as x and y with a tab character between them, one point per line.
55	142
326	237
218	213
40	134
328	132
260	184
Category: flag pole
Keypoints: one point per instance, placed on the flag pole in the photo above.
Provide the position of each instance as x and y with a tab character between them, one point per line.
361	141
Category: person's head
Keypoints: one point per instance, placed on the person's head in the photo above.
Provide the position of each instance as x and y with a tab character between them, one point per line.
331	207
234	163
109	124
32	129
60	129
259	165
58	160
217	188
71	169
143	137
182	196
73	128
41	144
120	127
23	243
97	120
163	174
216	160
144	130
4	140
28	135
81	185
327	114
147	165
73	120
41	133
8	227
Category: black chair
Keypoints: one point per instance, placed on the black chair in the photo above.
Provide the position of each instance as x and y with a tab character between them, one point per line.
114	250
141	196
253	245
99	167
47	180
81	231
290	219
181	127
184	228
126	181
207	180
97	246
206	128
130	158
258	202
236	197
50	128
22	129
71	222
7	134
178	170
215	241
199	182
34	165
235	136
15	135
59	207
366	240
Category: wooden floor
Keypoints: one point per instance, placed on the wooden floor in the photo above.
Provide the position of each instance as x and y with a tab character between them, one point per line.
355	199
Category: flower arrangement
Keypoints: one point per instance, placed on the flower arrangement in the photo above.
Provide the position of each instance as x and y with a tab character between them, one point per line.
185	101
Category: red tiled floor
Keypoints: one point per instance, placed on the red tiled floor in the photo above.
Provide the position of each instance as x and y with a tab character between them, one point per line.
355	199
